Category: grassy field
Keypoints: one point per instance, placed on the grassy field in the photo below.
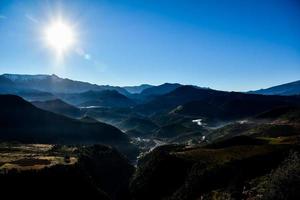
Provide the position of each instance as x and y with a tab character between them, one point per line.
34	156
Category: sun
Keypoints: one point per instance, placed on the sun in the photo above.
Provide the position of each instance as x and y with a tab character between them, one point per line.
59	36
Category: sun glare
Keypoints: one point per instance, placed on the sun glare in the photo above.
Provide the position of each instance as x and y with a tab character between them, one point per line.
59	36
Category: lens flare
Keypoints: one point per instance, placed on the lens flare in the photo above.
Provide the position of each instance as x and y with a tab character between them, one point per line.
59	36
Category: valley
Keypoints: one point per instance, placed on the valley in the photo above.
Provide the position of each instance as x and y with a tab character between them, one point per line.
150	99
161	142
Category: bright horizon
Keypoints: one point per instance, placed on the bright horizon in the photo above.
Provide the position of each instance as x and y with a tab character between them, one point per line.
232	46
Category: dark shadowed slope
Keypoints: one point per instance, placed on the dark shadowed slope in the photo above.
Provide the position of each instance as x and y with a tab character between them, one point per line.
207	102
142	125
230	108
277	112
172	99
58	106
100	172
21	121
292	88
182	173
88	119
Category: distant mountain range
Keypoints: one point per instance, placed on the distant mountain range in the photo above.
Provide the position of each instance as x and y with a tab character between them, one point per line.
50	87
8	86
292	88
105	98
53	84
137	89
167	105
161	89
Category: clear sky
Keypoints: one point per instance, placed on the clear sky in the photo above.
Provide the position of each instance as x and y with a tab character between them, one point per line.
228	45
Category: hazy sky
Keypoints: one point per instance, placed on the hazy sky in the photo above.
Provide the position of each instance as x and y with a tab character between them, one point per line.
228	45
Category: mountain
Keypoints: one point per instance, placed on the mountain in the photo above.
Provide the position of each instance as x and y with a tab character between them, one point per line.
198	102
277	113
150	93
105	98
92	172
279	122
21	121
222	171
108	115
88	119
7	86
6	83
174	98
174	130
161	89
223	163
55	84
58	106
230	108
142	125
292	88
34	95
137	89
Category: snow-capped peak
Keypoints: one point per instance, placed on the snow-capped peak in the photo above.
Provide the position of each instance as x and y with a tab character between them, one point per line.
25	77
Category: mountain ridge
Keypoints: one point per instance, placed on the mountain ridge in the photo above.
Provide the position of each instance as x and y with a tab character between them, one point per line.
286	89
137	89
8	79
54	84
23	122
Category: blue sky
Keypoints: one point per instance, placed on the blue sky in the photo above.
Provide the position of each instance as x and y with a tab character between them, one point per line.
227	45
